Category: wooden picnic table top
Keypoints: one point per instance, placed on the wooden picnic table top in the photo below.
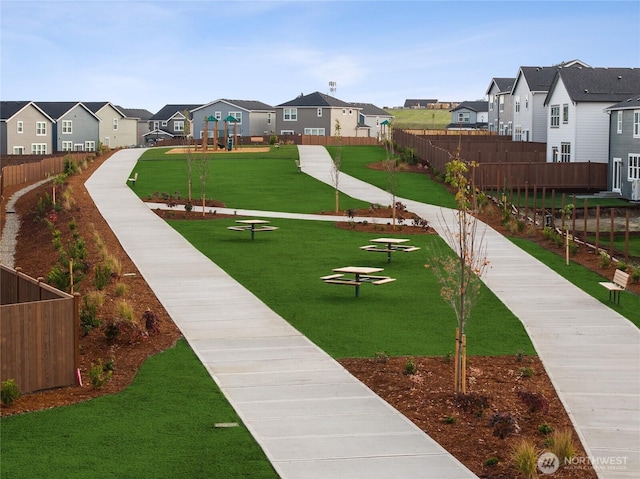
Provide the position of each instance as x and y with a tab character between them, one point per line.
358	270
389	240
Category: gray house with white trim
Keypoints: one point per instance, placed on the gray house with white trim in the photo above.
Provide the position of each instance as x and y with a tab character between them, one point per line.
370	120
254	118
624	148
500	115
75	128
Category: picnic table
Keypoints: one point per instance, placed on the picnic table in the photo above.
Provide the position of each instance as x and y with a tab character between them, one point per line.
360	274
253	226
389	245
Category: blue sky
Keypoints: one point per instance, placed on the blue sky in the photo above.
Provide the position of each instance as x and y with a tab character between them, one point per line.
147	54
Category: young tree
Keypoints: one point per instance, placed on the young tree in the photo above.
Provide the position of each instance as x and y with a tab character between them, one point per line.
186	131
391	168
335	168
203	171
460	274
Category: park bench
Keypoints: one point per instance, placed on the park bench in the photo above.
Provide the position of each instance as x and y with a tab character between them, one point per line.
133	179
298	166
619	283
339	279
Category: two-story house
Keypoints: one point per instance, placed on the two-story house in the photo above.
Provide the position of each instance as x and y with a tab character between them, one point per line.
25	129
142	117
624	148
370	120
75	127
116	129
529	92
316	114
470	115
577	120
170	122
253	118
500	118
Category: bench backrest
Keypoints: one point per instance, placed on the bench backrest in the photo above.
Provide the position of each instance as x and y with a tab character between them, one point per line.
621	278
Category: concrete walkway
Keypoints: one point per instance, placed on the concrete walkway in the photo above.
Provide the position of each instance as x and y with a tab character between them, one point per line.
310	416
591	353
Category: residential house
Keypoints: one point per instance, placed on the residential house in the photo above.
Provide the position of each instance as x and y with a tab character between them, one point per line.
75	127
500	118
529	92
316	114
169	122
370	119
577	120
470	115
116	130
419	103
142	118
253	118
624	148
25	129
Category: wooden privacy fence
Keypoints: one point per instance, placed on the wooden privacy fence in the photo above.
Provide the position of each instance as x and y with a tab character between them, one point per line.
39	333
503	164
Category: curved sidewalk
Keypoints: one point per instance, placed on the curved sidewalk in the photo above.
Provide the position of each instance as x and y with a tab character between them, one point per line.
311	417
590	352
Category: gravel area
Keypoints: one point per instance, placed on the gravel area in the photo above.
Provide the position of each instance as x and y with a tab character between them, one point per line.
12	226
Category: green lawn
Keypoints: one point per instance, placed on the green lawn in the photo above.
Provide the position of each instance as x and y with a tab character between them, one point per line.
162	426
419	119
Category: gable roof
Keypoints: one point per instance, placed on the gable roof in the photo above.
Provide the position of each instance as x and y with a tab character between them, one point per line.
8	109
423	102
539	78
632	103
504	85
598	84
317	99
169	111
96	106
477	106
370	109
139	113
247	105
57	109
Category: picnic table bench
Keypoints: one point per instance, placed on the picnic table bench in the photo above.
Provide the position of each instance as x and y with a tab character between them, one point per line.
619	283
361	274
253	226
389	245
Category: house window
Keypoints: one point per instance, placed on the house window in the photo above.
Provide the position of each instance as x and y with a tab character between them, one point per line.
178	125
526	102
67	127
491	100
565	152
634	166
38	148
89	146
463	117
619	128
501	108
218	115
509	128
517	136
290	114
344	111
565	113
555	116
554	154
314	131
636	124
268	118
67	146
164	123
115	123
41	129
237	115
156	125
287	132
20	127
517	102
350	111
18	150
319	112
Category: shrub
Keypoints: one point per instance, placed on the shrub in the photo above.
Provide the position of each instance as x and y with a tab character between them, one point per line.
535	401
525	459
120	289
102	276
472	403
447	358
70	166
99	375
622	266
503	424
124	311
151	322
527	372
562	444
545	429
449	420
9	391
520	356
188	207
492	461
605	260
410	367
89	313
381	357
635	274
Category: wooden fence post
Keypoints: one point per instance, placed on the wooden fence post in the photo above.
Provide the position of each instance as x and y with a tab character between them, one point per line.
586	214
611	236
597	229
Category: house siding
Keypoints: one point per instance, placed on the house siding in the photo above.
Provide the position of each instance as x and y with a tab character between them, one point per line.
254	123
538	127
564	132
620	146
523	118
85	127
124	136
592	132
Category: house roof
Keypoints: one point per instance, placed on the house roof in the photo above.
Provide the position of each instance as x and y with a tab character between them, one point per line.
139	113
504	85
477	106
411	102
169	111
57	109
598	84
315	100
10	108
632	103
539	78
370	109
96	106
248	105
